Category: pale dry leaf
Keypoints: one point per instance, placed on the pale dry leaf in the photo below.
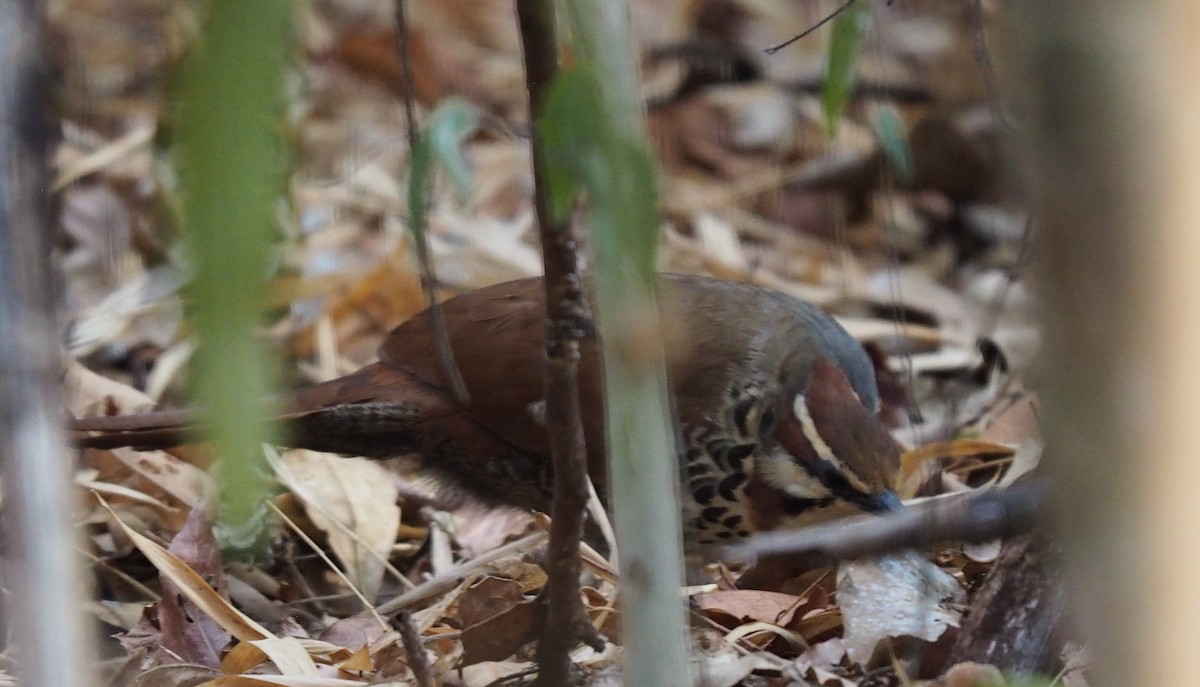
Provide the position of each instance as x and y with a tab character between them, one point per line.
1015	424
193	586
818	665
86	392
358	494
288	655
144	309
946	359
167	367
1026	459
120	614
480	529
896	595
488	673
764	631
727	667
176	477
138	137
757	116
110	489
281	681
744	605
719	242
828	655
426	617
354	632
474	251
914	288
97	229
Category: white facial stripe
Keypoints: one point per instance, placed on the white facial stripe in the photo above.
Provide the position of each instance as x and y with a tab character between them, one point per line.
824	452
783	474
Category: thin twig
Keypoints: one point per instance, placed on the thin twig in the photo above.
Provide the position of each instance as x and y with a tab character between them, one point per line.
445	352
976	517
456	575
566	317
410	637
983	58
776	48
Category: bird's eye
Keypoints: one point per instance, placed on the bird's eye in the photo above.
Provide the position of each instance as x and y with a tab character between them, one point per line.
836	481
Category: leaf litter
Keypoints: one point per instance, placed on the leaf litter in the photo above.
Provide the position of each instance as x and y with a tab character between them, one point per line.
752	190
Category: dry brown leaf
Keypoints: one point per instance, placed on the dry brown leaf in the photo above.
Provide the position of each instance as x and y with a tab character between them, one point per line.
732	608
530	576
194	587
243	657
355	632
912	461
497	619
187	631
386	295
180	675
359	662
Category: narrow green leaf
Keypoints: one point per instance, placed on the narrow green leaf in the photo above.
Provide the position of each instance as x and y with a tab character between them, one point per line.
585	151
452	123
442	144
841	63
890	133
566	126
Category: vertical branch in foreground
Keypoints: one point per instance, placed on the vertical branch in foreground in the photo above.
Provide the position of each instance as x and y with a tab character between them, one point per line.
41	567
565	317
644	473
1115	153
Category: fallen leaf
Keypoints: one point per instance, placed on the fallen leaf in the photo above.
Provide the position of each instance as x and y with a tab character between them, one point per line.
353	501
497	619
187	631
193	586
892	596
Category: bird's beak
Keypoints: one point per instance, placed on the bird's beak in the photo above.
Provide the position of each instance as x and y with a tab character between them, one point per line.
885	502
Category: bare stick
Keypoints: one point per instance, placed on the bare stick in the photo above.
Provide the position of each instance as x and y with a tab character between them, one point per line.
776	48
976	517
566	318
410	637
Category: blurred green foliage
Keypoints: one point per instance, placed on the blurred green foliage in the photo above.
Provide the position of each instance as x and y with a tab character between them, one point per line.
232	164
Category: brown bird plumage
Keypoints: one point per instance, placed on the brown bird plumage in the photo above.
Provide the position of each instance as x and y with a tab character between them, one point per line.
775	405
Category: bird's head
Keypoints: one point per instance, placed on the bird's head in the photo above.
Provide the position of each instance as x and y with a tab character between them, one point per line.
835	451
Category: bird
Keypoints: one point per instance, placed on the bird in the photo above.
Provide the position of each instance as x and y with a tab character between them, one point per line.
775	407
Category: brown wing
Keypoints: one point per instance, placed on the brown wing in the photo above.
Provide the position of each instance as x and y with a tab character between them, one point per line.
499	342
